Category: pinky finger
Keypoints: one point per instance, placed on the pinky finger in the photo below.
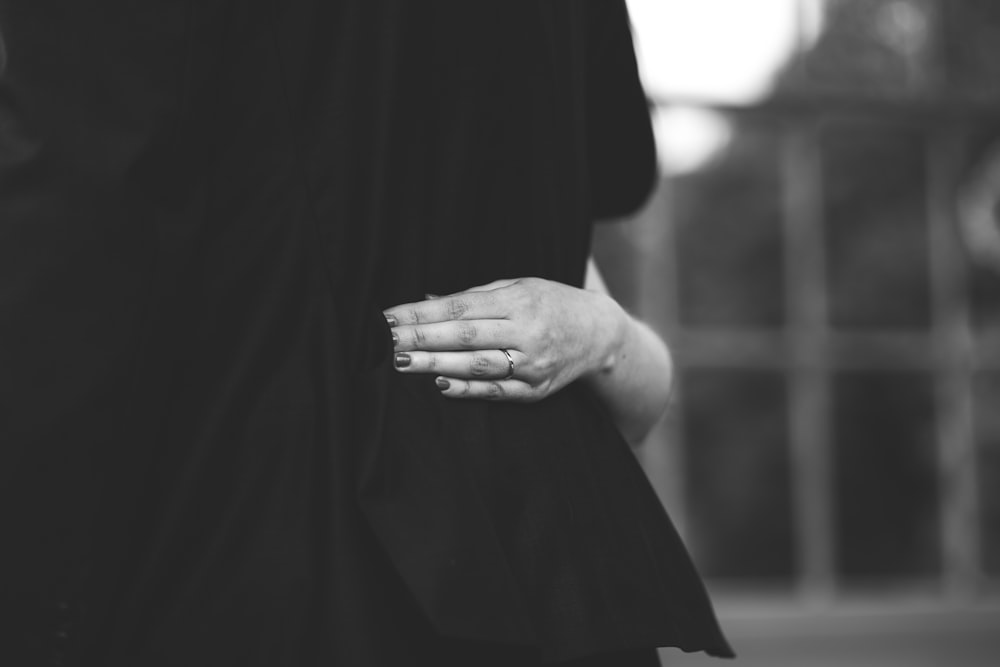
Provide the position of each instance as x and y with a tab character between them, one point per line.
490	390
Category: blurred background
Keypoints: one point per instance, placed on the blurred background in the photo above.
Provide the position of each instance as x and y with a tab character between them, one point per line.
823	254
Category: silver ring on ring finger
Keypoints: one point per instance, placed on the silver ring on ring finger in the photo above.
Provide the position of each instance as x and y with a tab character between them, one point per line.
510	364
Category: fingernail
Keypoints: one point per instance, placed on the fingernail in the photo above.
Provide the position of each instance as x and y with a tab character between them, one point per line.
390	320
442	383
395	338
432	296
402	360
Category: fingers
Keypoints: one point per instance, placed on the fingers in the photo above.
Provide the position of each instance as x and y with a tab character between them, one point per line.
473	365
472	304
454	335
480	374
490	390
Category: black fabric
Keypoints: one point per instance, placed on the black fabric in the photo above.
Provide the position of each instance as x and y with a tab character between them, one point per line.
205	455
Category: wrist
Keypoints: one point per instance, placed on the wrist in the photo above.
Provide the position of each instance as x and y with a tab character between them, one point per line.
615	327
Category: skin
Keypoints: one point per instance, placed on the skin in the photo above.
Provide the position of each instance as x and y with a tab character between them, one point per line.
555	334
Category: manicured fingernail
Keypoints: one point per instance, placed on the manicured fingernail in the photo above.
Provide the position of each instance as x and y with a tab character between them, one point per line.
402	360
442	383
395	338
390	320
432	296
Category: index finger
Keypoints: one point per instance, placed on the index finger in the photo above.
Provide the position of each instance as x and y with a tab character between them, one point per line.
461	306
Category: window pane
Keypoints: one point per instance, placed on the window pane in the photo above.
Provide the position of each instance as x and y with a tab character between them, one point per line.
876	227
728	218
972	45
988	466
985	296
886	475
736	451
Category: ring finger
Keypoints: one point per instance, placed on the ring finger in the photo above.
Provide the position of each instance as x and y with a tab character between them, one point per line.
474	364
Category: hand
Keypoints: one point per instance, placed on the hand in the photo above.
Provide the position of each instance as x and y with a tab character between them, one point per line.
553	333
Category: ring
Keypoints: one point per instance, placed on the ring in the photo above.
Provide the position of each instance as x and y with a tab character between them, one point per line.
510	363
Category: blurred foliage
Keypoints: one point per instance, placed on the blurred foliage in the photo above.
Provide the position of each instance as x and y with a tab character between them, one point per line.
729	236
875	45
875	216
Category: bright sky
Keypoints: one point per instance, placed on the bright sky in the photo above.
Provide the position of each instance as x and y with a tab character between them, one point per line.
712	51
723	50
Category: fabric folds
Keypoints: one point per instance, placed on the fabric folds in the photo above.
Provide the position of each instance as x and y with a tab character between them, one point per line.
206	457
531	524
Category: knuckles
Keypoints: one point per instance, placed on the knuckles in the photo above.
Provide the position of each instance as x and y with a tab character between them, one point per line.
479	365
419	338
467	334
535	334
457	308
542	366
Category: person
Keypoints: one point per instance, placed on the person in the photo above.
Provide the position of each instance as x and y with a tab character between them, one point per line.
235	430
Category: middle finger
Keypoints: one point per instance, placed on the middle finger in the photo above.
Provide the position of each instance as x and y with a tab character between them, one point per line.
468	305
455	335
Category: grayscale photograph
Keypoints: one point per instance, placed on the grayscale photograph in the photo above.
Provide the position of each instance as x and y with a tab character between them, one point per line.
467	333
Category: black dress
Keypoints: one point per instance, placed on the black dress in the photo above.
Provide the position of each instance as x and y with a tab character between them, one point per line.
206	457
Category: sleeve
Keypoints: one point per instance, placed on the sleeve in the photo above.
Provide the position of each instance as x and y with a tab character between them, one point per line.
621	151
